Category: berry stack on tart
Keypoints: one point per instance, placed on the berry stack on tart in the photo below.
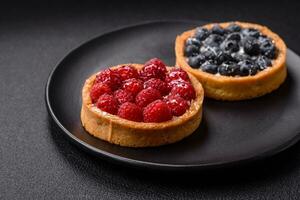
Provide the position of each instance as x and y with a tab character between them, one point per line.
234	60
139	105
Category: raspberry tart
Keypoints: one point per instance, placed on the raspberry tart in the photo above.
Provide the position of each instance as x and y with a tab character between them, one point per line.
138	105
233	60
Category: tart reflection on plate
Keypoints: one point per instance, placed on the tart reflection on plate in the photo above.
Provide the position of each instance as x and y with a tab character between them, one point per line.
137	105
233	60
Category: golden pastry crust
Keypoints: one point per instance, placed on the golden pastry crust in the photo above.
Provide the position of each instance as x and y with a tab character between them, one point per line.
237	88
139	134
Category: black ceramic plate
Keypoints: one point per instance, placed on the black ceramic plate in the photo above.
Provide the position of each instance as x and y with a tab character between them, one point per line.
230	133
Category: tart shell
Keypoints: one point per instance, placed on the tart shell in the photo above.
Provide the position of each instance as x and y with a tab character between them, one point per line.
237	88
128	133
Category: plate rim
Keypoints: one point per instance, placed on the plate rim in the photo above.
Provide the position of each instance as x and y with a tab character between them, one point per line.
146	164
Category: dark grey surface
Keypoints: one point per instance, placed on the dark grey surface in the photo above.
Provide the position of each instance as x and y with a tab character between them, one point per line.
38	162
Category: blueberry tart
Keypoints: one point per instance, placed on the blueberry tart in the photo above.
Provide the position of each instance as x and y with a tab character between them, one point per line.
233	60
138	105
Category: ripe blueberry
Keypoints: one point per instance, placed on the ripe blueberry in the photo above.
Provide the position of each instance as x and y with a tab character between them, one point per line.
201	33
230	46
217	29
251	46
233	28
191	50
209	67
196	61
193	41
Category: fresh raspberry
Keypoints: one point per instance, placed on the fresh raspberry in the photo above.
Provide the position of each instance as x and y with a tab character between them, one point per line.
98	89
155	61
183	89
146	96
176	74
123	96
109	77
133	85
127	72
107	103
131	112
158	84
157	111
175	82
154	68
177	104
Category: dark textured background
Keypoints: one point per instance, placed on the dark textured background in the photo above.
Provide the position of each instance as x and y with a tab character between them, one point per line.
37	162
